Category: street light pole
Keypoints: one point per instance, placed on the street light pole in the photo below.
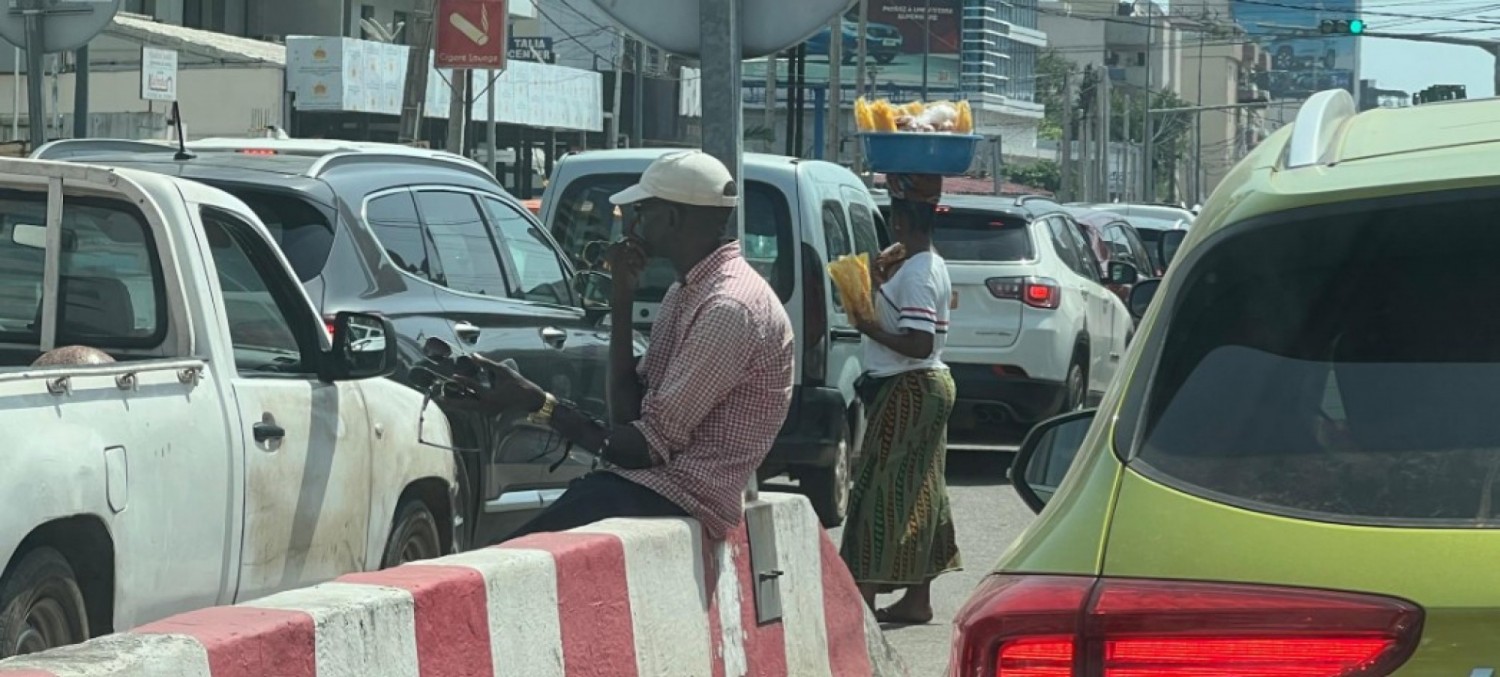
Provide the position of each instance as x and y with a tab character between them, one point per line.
926	45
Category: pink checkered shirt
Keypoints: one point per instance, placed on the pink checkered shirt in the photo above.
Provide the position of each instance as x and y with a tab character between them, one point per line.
718	381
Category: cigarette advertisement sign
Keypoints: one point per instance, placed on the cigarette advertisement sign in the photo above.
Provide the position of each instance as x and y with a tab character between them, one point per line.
471	34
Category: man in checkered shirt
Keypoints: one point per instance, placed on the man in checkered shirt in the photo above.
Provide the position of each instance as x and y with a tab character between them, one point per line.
693	421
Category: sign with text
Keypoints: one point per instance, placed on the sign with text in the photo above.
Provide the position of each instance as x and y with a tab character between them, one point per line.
471	34
158	74
532	49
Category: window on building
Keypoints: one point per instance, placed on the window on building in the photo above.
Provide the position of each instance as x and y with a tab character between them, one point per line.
399	26
1140	58
365	12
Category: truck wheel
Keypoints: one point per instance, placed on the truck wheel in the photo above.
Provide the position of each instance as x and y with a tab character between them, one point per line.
41	606
828	488
414	537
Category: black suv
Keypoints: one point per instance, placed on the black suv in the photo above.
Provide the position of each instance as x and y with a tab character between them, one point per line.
432	242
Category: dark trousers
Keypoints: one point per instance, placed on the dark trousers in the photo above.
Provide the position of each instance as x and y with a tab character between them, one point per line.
596	496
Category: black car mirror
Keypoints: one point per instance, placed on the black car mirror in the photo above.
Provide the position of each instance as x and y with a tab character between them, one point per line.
1046	455
1123	273
1141	296
364	346
437	350
592	255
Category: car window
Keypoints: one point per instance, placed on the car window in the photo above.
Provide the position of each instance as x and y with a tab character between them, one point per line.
1138	251
1063	243
1342	366
1117	245
964	235
1088	262
836	236
862	223
538	272
461	242
265	342
584	217
301	230
111	291
393	217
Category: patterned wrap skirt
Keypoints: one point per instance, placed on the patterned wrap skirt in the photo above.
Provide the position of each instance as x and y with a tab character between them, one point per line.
900	527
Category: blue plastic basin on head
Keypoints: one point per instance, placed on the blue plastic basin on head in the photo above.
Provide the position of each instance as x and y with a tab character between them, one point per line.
920	153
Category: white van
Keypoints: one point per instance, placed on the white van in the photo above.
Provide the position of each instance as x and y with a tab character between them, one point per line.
800	215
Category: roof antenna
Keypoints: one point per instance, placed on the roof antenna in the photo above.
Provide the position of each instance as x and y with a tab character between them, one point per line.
182	151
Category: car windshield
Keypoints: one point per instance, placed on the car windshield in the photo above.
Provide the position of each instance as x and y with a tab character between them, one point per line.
1341	366
964	235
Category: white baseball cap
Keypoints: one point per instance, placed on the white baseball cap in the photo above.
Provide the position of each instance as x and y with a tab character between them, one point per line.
690	177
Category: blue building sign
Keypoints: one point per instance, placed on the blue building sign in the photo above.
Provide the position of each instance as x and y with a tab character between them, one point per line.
1301	64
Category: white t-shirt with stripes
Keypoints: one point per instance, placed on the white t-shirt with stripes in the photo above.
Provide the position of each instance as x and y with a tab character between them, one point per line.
916	298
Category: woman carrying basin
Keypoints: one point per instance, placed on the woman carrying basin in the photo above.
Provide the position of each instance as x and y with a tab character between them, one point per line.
900	531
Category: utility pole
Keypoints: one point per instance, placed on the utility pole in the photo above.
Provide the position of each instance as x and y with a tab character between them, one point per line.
1085	150
456	108
1102	91
1198	117
638	98
770	114
614	111
419	31
1066	163
1150	173
1127	158
926	45
835	89
860	73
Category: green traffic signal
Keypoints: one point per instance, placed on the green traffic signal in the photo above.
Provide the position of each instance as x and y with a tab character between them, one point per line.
1356	26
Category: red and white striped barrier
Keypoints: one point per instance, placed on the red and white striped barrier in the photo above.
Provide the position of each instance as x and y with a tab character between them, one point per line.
621	597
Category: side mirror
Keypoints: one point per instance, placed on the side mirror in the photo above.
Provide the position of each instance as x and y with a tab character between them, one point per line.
364	346
1123	273
1046	455
594	289
1141	296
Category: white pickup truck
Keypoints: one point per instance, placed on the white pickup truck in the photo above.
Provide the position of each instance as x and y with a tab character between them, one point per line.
238	446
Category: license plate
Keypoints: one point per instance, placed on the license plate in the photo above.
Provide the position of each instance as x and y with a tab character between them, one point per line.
890	43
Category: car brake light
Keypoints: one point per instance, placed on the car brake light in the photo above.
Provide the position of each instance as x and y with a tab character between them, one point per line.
257	151
328	323
1056	626
942	209
1037	292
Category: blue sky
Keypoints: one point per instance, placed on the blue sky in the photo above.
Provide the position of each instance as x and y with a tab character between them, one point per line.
1412	66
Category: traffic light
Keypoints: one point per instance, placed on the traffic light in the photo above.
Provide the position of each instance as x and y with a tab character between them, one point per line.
1342	26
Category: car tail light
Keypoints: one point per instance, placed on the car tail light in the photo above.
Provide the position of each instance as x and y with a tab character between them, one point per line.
328	323
1008	371
1065	626
814	319
257	151
1037	292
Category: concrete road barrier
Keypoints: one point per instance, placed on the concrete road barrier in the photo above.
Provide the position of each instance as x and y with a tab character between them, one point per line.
621	597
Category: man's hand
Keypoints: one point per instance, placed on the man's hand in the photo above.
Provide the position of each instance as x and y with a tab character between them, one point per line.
886	264
866	325
625	260
508	390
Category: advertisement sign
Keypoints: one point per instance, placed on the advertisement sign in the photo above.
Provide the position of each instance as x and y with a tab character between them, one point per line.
1301	66
550	97
158	74
471	34
356	76
532	49
897	43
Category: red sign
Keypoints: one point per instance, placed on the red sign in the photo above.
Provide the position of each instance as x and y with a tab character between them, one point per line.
471	34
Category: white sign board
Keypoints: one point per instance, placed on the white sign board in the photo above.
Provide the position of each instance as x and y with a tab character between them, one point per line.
158	74
356	76
546	96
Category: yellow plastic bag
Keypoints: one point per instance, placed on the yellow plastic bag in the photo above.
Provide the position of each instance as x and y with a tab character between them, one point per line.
884	116
851	276
965	124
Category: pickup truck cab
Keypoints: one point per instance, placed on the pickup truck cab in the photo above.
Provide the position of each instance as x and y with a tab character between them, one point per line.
235	448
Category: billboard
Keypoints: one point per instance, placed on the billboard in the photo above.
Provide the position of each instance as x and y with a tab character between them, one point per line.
896	44
1301	65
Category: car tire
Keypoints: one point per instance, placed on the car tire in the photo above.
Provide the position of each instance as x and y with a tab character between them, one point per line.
1075	388
828	488
415	536
885	59
41	605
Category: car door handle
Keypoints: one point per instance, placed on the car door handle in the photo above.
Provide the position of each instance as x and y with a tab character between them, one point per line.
845	334
466	331
265	432
554	337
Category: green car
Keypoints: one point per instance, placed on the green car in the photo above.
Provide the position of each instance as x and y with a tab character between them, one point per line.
1297	471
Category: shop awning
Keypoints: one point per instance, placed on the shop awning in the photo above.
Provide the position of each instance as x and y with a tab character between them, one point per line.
122	40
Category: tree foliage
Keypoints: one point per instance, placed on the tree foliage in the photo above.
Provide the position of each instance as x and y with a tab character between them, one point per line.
1044	174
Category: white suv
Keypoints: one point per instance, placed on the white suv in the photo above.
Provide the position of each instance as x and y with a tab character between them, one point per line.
1035	332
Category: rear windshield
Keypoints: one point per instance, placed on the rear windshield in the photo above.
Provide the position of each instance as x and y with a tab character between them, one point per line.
300	229
1339	366
962	235
584	216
